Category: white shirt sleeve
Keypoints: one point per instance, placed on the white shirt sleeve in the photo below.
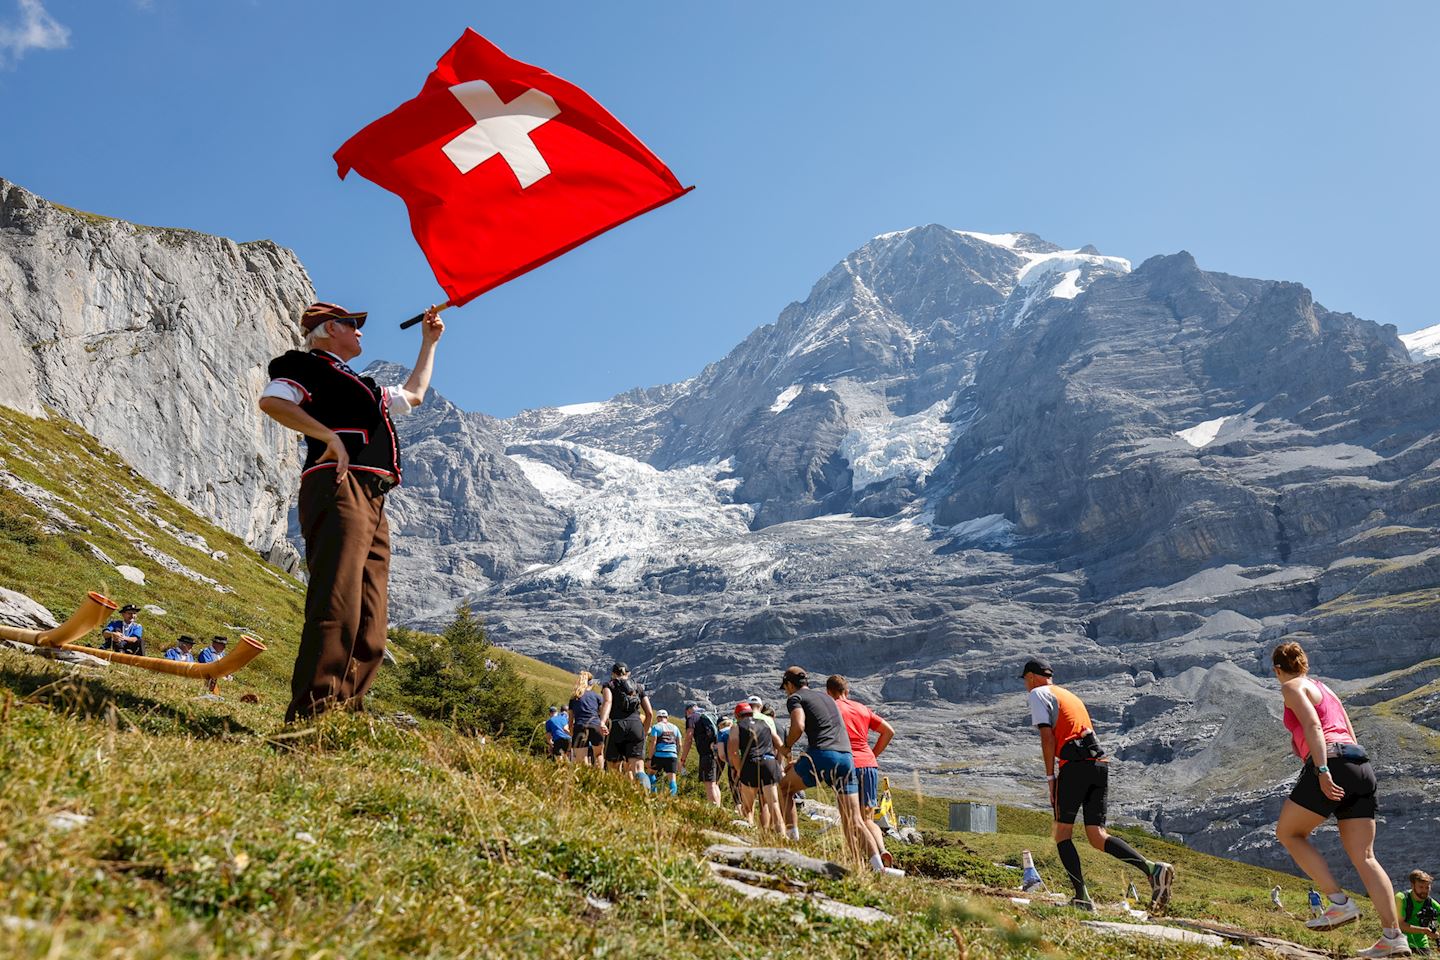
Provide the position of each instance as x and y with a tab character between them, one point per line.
395	402
1044	708
284	390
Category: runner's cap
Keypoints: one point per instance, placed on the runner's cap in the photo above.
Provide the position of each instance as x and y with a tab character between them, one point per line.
320	311
743	709
662	714
1036	665
755	702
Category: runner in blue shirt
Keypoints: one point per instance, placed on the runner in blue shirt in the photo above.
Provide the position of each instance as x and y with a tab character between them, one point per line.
557	733
665	753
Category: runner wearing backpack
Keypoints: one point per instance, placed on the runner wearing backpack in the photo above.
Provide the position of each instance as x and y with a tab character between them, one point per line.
625	715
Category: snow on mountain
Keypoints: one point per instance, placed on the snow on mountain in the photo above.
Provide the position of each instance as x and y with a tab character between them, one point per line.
786	397
882	448
1423	344
1202	434
632	518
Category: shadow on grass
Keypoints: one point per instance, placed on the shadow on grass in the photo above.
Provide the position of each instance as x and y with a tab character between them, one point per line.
91	698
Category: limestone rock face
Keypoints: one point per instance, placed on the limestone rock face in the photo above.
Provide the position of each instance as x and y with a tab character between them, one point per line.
155	340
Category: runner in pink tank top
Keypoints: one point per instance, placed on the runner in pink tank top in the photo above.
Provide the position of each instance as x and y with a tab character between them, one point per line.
1333	722
1334	781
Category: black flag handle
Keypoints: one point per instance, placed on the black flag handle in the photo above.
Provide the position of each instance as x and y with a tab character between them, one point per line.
421	316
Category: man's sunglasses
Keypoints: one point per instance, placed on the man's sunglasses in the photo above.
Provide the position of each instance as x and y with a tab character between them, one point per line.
350	322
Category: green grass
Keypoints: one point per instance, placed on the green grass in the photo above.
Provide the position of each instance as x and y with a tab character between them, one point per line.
217	832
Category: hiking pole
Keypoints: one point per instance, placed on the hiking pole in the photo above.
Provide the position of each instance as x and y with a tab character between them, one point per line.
421	315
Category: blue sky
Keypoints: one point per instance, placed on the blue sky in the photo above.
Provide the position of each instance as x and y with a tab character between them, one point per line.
1282	140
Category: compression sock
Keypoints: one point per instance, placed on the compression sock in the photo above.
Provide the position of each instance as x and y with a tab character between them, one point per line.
793	833
1122	851
1070	859
876	863
674	787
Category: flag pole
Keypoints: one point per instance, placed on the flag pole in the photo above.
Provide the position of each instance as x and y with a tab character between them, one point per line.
421	316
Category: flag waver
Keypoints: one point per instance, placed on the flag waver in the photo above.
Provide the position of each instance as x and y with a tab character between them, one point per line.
504	167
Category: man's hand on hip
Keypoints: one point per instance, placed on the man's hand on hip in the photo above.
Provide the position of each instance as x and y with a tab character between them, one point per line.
335	452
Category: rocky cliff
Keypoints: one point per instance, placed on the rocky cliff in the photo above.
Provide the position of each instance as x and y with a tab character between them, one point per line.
155	340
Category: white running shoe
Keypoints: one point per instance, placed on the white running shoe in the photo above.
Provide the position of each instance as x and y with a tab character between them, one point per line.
1335	915
1388	947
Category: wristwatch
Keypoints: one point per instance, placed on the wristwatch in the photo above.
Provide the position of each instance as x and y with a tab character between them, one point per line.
1323	768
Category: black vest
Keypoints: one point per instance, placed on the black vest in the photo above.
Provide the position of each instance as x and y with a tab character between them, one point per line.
351	405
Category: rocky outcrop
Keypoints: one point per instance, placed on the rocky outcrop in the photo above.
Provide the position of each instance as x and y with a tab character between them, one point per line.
155	340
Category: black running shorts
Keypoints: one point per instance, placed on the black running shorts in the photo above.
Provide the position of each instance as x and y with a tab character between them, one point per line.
1356	779
1083	785
709	767
762	774
559	745
664	764
589	737
626	741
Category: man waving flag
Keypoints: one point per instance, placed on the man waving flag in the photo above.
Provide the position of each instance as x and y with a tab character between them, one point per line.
504	166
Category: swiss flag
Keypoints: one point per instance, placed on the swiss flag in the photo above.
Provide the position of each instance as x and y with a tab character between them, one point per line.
504	167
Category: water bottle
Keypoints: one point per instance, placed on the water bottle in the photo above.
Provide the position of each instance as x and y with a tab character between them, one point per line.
1315	908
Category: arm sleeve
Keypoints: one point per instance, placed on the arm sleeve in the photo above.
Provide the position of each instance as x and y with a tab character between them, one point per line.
1044	708
395	402
285	390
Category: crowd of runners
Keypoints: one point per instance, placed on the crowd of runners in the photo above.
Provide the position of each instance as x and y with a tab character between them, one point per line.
742	749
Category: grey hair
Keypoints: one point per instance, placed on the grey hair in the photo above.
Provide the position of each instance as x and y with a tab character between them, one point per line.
320	331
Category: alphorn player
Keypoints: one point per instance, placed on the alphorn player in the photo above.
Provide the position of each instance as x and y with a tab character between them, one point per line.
352	459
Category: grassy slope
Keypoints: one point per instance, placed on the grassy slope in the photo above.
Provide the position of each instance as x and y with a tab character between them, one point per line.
215	832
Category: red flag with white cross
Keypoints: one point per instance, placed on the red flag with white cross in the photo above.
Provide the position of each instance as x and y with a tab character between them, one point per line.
504	167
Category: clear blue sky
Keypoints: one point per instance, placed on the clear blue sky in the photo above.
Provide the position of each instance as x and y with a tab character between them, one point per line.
1280	140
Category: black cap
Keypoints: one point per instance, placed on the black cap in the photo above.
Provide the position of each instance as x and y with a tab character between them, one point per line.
795	675
187	639
619	668
218	639
1036	665
129	608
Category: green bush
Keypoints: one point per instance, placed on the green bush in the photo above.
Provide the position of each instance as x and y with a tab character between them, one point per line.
943	859
462	680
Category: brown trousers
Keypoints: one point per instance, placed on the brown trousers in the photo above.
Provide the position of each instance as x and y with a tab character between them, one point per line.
347	551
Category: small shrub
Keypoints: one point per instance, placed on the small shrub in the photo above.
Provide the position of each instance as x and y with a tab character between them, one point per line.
951	862
463	680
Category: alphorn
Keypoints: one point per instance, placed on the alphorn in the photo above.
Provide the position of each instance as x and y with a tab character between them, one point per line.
92	613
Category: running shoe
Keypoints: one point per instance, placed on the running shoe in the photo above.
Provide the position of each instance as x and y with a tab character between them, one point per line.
886	858
1335	915
1162	875
1388	947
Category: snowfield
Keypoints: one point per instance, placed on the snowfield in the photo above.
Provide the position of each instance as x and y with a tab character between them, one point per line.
1203	434
1423	344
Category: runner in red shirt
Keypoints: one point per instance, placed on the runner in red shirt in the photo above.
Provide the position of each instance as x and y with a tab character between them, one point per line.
859	721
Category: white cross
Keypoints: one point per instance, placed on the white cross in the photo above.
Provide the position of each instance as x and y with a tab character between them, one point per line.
501	128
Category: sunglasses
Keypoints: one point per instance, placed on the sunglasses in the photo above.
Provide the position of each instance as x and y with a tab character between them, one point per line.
350	322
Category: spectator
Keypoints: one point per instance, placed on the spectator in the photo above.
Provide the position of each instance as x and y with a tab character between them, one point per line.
181	651
216	651
125	635
1418	913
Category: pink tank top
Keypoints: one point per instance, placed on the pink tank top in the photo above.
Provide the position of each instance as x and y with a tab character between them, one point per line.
1332	722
